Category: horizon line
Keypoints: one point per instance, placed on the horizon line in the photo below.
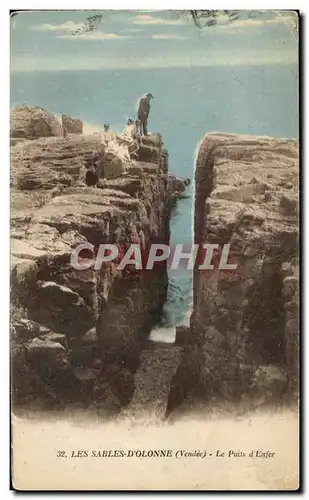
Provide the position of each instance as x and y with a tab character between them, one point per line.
66	70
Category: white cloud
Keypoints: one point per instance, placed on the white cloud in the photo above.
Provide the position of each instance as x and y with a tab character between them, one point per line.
145	19
168	36
95	36
134	30
67	26
235	27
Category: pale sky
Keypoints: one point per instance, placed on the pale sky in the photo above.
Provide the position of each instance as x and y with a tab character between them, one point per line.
44	41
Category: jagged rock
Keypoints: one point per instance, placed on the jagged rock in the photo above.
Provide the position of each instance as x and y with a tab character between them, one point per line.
155	141
150	168
49	219
26	329
24	272
33	122
31	180
71	125
290	286
43	347
147	154
51	162
289	204
176	184
58	293
90	337
130	185
177	188
245	316
54	337
23	250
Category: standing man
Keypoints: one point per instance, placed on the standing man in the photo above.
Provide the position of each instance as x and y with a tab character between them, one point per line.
143	112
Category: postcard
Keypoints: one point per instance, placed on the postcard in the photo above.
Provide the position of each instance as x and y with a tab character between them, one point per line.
154	228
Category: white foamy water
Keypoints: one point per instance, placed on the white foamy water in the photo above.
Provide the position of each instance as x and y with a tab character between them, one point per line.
165	334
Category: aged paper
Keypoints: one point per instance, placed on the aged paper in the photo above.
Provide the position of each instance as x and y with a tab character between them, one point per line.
154	250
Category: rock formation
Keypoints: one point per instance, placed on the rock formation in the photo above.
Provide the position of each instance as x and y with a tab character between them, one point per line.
32	122
177	187
77	335
244	328
71	125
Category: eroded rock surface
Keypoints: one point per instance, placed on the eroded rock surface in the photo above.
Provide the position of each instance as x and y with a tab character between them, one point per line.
246	196
77	335
31	122
152	381
71	125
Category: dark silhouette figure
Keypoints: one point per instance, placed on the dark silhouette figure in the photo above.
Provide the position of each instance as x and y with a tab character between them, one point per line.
143	112
92	177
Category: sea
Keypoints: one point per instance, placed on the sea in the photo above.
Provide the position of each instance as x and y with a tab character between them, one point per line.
188	102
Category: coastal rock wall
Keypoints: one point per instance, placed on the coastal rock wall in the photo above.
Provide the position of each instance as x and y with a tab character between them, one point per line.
244	326
77	334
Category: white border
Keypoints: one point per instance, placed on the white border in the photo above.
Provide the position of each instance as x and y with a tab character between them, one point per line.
4	196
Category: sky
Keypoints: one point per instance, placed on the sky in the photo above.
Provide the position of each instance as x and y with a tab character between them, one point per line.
50	40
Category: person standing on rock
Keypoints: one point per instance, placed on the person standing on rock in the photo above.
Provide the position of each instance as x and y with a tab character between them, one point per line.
143	112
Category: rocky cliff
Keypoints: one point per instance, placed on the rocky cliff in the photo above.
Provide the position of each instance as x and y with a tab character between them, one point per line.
77	335
243	337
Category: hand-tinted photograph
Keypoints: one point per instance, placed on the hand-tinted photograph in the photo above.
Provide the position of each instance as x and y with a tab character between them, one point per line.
154	243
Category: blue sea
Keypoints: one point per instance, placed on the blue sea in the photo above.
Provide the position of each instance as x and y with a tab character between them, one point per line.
187	103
